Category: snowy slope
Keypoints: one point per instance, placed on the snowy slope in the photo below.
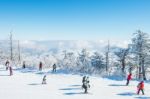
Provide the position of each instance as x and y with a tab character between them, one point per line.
26	84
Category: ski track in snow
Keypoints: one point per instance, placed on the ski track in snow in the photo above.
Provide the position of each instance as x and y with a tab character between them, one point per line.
26	84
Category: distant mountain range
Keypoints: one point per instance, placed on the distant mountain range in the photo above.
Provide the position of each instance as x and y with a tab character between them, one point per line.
60	45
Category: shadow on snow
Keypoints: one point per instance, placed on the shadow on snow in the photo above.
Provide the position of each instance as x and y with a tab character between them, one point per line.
74	93
33	84
70	89
75	85
142	97
26	70
117	85
4	75
73	88
127	94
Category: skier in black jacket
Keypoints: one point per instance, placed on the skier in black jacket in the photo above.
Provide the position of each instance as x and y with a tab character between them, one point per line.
86	84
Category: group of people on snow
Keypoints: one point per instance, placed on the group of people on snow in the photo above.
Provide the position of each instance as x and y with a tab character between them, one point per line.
85	79
8	66
41	66
86	85
140	86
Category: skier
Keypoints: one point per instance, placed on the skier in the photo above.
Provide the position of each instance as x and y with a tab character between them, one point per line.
54	68
7	64
44	80
140	87
40	66
86	84
128	79
24	65
10	70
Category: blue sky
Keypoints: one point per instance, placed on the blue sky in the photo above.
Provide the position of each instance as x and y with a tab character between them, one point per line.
73	19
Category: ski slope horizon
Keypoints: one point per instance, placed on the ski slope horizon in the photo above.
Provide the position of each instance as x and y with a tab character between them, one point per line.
26	84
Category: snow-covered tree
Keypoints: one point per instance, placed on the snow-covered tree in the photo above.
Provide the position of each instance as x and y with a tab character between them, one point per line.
98	62
83	61
122	55
141	49
69	60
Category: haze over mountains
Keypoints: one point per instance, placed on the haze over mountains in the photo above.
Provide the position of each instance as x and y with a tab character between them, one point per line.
60	45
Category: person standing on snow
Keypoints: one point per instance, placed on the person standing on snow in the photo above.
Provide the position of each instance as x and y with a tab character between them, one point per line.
140	87
54	68
10	69
40	66
7	64
24	65
128	79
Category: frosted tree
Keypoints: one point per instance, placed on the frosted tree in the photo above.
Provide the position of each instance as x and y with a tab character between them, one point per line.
141	49
69	60
98	62
122	55
3	56
83	61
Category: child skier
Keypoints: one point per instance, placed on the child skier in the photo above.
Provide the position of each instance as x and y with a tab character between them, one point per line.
128	79
44	80
140	87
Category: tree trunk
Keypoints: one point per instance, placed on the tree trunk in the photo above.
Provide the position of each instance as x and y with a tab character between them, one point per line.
140	65
11	49
107	62
123	66
107	57
143	70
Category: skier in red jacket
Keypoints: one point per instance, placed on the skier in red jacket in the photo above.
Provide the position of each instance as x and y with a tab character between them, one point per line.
128	79
140	87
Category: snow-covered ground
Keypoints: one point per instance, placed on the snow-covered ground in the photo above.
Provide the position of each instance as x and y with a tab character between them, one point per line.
26	84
